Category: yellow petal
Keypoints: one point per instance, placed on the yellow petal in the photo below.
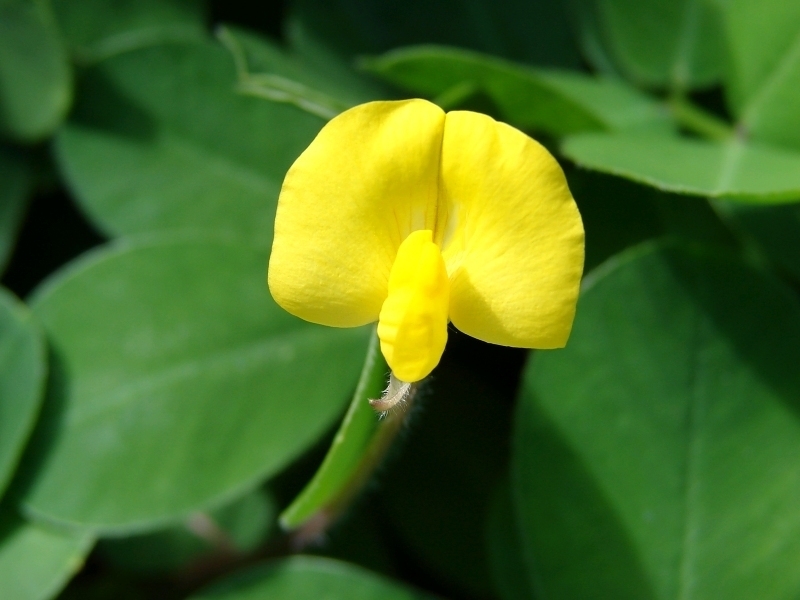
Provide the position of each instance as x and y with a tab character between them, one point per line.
367	181
512	238
413	321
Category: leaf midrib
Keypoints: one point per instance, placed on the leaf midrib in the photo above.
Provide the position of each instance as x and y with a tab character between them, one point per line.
752	111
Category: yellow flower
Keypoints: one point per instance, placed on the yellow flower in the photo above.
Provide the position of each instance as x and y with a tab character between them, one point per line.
400	213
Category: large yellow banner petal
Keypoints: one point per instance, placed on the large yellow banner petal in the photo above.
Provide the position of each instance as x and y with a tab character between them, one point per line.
513	237
363	185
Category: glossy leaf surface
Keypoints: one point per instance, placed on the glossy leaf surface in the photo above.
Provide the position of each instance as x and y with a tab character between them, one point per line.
193	387
668	469
763	75
162	141
748	172
662	43
35	75
36	561
557	102
23	369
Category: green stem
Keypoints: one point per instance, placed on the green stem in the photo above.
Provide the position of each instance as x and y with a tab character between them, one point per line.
358	448
696	120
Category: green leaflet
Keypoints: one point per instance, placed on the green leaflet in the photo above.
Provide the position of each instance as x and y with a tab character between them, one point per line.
656	43
763	74
556	102
160	140
37	561
748	172
35	74
667	469
193	387
23	370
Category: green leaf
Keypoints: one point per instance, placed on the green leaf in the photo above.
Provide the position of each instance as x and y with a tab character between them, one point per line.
15	186
438	493
177	384
667	469
763	78
23	369
534	32
506	553
558	102
35	76
304	577
339	72
774	229
235	528
160	140
661	43
98	29
747	172
36	561
258	58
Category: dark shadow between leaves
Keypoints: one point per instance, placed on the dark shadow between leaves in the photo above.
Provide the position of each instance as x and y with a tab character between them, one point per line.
577	546
101	106
46	432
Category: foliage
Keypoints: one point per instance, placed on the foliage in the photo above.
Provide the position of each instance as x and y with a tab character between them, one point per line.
160	415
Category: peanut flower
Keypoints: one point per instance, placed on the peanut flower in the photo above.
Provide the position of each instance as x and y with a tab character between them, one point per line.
400	213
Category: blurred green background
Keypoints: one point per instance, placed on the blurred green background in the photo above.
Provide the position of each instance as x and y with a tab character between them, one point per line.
158	410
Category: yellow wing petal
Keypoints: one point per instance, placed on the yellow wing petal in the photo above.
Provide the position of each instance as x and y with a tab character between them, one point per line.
512	237
363	185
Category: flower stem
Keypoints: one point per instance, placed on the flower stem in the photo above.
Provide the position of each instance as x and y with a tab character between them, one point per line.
695	119
357	449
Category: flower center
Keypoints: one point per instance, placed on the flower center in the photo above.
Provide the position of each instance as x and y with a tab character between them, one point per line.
412	326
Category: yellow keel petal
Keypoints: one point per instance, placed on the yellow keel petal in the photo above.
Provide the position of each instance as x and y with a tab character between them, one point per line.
413	321
513	237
